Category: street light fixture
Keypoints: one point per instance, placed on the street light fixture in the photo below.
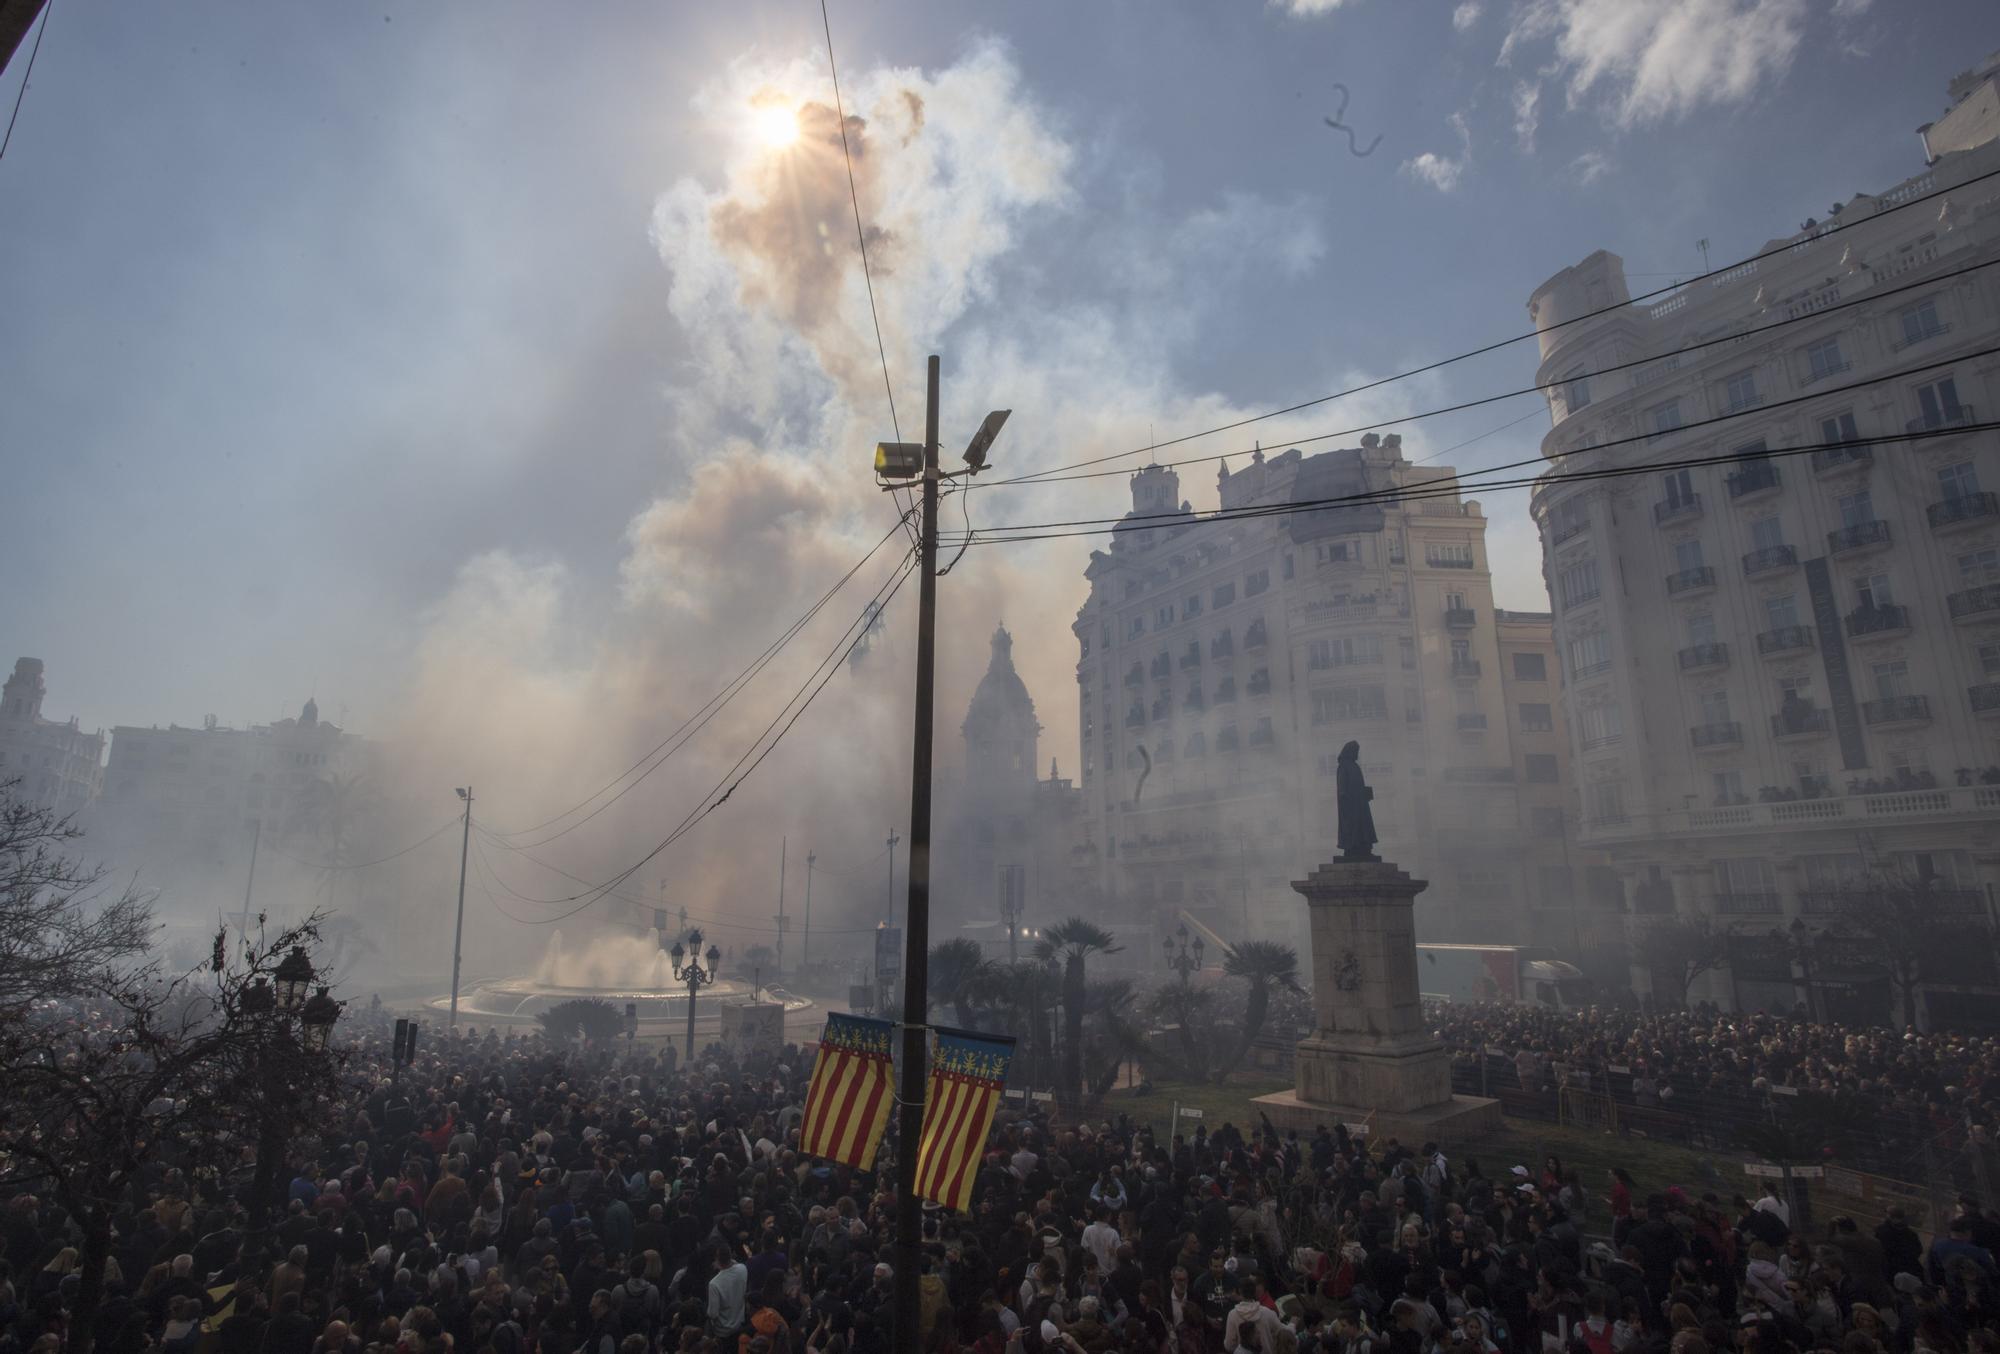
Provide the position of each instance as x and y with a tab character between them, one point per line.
316	1020
1183	958
694	975
294	977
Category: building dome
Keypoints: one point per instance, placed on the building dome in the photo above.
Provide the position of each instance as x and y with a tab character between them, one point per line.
1000	726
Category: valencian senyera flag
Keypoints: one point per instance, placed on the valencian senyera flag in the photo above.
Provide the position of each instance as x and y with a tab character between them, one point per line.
852	1091
968	1072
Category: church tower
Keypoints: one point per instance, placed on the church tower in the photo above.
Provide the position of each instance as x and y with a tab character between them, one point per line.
22	700
1001	731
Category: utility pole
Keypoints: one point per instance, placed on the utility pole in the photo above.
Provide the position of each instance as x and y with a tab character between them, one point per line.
458	931
889	905
916	934
784	844
806	944
256	835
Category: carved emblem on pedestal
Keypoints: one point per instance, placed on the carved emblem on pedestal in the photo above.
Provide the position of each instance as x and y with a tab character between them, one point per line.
1347	971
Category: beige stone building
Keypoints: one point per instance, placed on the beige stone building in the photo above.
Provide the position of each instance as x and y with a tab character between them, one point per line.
58	765
1223	664
1782	671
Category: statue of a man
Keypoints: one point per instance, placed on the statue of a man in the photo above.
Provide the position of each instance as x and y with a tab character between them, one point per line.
1357	821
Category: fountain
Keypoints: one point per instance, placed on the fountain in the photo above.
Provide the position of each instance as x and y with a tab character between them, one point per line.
622	969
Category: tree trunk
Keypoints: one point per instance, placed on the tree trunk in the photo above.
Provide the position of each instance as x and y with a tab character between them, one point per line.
90	1279
1073	1030
1255	1010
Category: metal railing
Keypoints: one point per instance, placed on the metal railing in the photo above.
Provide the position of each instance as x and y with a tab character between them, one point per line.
1673	509
1963	508
1754	480
1896	710
1696	656
1857	537
1801	723
1785	638
1956	416
1690	580
1973	601
1878	620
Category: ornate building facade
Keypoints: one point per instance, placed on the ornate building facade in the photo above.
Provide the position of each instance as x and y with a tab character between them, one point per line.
58	765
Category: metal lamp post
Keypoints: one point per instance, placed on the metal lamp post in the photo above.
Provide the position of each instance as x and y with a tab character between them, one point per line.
694	975
274	1004
1183	957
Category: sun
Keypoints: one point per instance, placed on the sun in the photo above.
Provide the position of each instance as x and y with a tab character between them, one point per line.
775	125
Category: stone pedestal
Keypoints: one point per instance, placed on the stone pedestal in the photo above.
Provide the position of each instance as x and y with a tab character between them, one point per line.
1369	1058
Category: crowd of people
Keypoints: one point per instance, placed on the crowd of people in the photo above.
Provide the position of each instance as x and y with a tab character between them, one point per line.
1900	1092
510	1196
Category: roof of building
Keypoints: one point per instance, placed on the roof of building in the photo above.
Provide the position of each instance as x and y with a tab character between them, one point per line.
1001	693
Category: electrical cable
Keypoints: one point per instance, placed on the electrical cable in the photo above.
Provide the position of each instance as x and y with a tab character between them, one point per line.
1050	477
1446	484
48	12
861	242
826	670
729	692
1824	233
364	864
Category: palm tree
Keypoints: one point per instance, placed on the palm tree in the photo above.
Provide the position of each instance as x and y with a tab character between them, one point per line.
1022	997
1071	942
1114	1036
1188	1008
1264	964
958	972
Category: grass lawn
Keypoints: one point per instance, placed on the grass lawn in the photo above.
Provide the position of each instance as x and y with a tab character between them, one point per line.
1654	1165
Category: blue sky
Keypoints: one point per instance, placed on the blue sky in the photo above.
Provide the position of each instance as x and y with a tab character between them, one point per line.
405	353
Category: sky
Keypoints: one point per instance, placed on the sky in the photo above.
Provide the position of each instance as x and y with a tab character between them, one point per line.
479	368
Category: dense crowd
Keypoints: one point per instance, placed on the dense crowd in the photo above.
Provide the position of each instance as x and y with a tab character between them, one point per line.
512	1197
1900	1092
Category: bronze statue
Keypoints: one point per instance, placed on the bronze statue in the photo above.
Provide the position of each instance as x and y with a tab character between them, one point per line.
1357	821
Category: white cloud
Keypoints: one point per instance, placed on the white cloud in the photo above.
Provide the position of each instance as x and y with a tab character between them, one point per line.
1527	113
1443	172
1849	9
1590	166
1306	9
1466	15
1664	58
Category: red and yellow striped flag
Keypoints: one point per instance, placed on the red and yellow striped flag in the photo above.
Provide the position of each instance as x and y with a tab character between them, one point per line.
968	1072
848	1102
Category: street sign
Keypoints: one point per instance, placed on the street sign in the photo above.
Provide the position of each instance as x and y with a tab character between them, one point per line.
888	953
1190	1112
1784	1090
1041	1095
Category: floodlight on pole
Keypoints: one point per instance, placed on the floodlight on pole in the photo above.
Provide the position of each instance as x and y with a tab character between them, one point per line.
982	441
899	460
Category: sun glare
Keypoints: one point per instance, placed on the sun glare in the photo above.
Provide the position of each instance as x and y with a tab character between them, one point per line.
777	126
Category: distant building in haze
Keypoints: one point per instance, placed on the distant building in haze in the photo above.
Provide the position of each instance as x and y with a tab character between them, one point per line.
59	766
1223	664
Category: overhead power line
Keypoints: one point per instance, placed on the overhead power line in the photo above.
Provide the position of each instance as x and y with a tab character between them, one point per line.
1448	484
753	756
438	831
1498	344
1048	477
694	723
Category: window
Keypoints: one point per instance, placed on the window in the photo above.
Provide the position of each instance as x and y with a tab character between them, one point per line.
1225	738
1856	509
1406	650
1589	654
1570	516
1781	612
1191	607
1197	745
1687	555
1530	667
1224	594
1164	617
1920	322
1989	659
1728	787
1550	822
1835	428
1287	571
1337	552
1701	628
1104	635
1257	582
1448	556
1958	481
1938	403
1600	724
1665	417
1874	592
1454	601
1767	533
1135	626
1343	703
1740	391
1823	358
1980	566
1461	653
1413	706
1344	652
1679	486
1577	583
1537	717
1576	391
1744	874
1607	802
1795	688
1892	680
1713	707
1086	647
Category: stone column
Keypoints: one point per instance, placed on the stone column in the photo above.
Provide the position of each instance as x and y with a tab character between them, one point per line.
1369	1046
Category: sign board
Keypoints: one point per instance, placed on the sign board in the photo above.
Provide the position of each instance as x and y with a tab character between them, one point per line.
888	953
1620	1068
1041	1095
1015	1093
1784	1090
1190	1112
1356	1130
1767	1172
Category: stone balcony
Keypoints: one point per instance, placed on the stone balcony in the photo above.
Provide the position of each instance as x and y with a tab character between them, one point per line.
1688	582
1785	639
1974	807
1895	711
1974	604
1465	669
1805	723
1770	559
1704	657
1878	622
1955	417
1842	458
1861	536
1726	733
1964	510
1676	509
1985	698
1753	482
1460	618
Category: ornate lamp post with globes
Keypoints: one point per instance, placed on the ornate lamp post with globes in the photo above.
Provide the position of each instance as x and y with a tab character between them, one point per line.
1182	957
274	1006
694	975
